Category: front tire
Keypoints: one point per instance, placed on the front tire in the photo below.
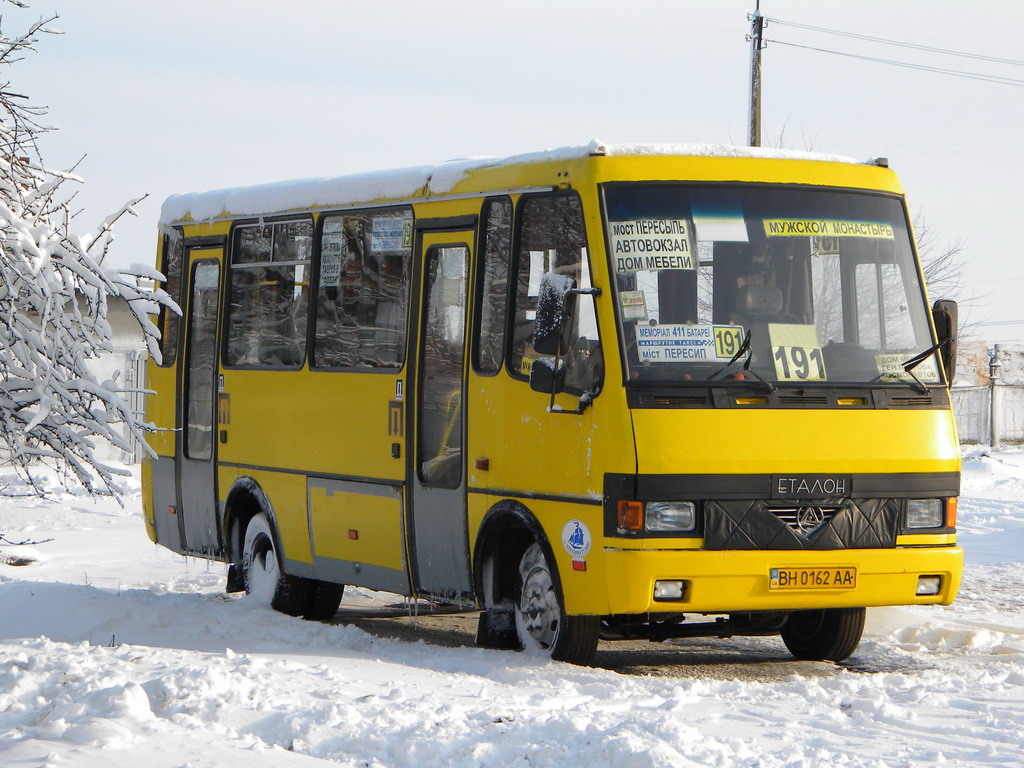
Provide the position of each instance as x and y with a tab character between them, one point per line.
827	634
542	625
265	580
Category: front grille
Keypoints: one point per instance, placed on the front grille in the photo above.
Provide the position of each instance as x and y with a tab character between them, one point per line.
803	400
805	519
924	401
759	524
671	401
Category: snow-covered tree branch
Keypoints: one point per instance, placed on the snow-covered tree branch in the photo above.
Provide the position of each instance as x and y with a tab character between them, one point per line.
54	291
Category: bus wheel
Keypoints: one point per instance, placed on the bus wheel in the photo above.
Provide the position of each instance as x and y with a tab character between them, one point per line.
265	581
323	600
827	634
542	624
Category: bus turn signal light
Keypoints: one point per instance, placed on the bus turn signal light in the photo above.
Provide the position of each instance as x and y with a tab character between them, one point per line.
631	516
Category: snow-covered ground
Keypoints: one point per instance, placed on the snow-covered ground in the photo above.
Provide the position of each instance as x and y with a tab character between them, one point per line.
114	652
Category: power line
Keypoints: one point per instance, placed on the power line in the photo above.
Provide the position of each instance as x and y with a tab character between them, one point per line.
1019	83
900	43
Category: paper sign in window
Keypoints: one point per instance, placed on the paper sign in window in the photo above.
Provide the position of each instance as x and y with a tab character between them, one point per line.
675	343
652	244
796	352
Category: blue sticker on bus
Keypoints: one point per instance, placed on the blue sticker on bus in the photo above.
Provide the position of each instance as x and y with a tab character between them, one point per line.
576	538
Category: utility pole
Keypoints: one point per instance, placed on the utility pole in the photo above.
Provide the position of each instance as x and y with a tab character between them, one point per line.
995	412
756	29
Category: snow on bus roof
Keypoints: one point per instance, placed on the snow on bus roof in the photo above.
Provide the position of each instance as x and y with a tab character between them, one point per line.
424	180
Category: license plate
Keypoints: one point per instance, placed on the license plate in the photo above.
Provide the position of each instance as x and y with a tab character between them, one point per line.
812	578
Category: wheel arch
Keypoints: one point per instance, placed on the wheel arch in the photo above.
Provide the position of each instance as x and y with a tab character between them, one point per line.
505	533
244	501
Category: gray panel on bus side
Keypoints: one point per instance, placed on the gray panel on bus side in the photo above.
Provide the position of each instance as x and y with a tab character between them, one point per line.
352	573
357	533
165	499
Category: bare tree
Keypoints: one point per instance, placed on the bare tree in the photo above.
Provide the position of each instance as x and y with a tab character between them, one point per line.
54	291
943	264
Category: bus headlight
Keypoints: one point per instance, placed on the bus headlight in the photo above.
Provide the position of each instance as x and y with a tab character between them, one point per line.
678	516
925	513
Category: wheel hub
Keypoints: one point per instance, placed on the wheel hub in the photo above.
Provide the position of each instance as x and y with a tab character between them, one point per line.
539	607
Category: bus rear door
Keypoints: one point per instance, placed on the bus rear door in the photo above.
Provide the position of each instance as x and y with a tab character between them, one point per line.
197	416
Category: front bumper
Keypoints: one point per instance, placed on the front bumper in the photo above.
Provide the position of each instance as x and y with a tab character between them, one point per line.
734	581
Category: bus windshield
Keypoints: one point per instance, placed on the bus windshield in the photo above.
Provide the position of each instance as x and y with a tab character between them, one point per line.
812	285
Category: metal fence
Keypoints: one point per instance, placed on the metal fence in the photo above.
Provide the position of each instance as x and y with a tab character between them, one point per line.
129	365
989	414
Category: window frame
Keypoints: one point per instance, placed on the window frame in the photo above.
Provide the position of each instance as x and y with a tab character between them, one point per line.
421	355
848	298
187	422
478	288
311	332
517	239
169	355
229	282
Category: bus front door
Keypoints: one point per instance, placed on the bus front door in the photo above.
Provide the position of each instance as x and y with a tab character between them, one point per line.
196	436
437	476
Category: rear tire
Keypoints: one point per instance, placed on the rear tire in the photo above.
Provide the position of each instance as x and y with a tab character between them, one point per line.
826	634
323	600
265	579
542	624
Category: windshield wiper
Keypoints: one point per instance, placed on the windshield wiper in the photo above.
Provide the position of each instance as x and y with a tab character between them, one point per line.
919	358
745	347
772	389
916	360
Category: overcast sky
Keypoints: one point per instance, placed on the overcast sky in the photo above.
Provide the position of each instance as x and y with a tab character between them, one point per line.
198	94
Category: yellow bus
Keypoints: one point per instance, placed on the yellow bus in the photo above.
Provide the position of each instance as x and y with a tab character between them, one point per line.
596	392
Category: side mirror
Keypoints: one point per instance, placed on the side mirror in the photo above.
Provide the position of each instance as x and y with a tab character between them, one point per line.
546	378
555	305
945	316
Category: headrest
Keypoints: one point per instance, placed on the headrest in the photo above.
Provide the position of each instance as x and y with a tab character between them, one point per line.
759	300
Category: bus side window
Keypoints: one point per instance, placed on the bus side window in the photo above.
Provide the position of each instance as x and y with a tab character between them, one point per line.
173	261
361	297
269	294
492	291
552	238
